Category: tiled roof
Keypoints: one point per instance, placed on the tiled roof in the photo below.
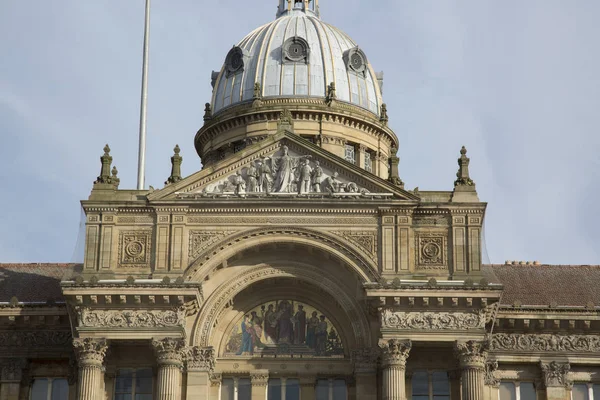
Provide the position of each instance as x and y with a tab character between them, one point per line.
34	282
566	285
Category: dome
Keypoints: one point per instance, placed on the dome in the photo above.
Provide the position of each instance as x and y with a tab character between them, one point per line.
297	55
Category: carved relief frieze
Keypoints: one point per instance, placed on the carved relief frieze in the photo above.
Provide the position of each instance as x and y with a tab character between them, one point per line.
431	220
427	320
366	240
200	240
141	219
545	343
282	220
135	248
432	250
168	318
35	339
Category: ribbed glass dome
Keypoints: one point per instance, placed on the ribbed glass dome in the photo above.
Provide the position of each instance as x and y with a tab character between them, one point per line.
297	55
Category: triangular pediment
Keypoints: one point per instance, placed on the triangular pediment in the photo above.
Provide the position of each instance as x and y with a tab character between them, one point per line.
283	165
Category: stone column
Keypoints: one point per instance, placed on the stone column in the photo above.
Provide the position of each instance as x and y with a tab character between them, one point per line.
394	355
200	362
10	378
169	357
556	380
307	387
259	380
471	359
90	358
365	373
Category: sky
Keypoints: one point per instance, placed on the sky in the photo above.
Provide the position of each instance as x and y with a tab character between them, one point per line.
516	82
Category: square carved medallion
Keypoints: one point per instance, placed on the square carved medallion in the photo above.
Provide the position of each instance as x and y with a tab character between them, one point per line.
432	251
135	249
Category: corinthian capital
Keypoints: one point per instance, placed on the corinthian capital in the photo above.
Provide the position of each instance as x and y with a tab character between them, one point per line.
394	352
200	358
90	352
169	351
556	374
471	353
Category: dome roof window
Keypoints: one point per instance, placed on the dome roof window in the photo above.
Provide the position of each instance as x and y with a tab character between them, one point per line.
296	50
356	61
234	62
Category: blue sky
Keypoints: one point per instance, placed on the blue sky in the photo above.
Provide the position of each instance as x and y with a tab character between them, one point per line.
517	82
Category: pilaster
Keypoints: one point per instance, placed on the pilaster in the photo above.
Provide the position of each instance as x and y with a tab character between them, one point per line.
11	375
556	380
365	373
200	364
259	381
394	355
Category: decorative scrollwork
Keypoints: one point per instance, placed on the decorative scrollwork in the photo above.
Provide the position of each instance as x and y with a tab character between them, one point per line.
545	343
432	320
131	318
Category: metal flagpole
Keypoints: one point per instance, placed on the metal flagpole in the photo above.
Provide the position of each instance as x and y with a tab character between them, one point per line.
143	107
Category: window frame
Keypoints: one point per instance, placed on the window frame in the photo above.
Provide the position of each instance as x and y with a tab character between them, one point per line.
236	385
50	380
330	382
590	389
133	378
517	386
430	373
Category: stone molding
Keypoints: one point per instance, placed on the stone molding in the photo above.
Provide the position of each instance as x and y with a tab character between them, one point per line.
429	320
167	318
169	351
555	374
545	343
12	369
200	358
490	379
395	352
471	354
90	352
35	339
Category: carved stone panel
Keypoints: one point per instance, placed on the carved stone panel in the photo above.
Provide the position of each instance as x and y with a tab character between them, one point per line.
437	321
367	240
35	339
135	248
200	240
432	250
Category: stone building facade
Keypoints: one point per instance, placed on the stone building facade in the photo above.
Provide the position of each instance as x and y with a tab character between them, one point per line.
295	265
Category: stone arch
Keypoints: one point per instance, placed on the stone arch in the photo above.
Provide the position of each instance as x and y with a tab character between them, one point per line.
216	303
351	255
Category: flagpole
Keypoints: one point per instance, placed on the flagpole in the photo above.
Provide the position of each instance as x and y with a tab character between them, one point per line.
144	104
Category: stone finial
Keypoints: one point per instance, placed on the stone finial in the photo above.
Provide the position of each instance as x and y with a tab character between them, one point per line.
176	161
114	179
394	162
331	95
207	112
384	114
106	161
463	178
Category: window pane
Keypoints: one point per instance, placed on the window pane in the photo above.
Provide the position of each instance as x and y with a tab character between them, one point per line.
441	385
292	389
39	390
143	381
420	385
60	389
143	396
349	156
507	391
124	381
244	389
322	390
123	396
580	392
527	391
339	389
596	389
368	164
274	391
227	389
